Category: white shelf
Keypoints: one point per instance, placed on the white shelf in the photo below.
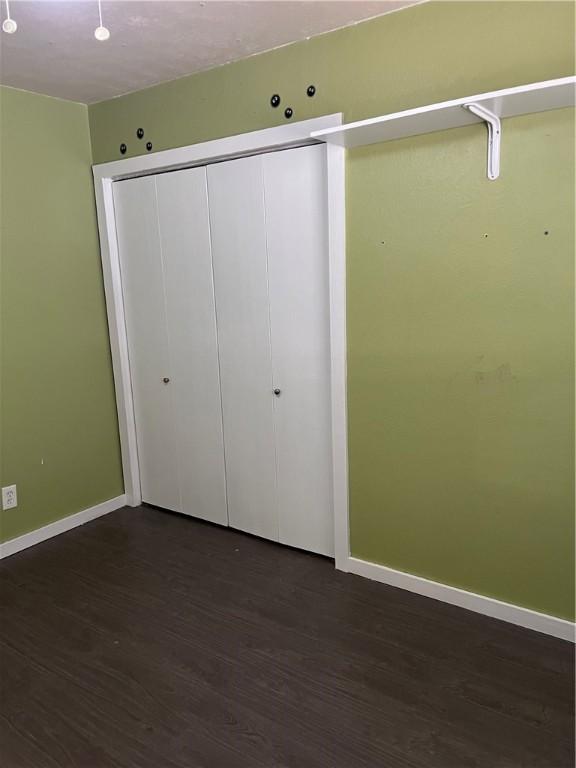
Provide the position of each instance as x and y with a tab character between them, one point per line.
509	102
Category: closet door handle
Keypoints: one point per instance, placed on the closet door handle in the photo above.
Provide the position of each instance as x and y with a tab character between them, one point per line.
166	380
277	392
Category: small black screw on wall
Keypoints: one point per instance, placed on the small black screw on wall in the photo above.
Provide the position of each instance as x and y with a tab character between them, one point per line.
140	133
288	113
149	146
275	100
311	90
123	148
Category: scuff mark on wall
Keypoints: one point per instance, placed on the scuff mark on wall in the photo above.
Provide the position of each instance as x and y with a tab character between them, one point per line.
501	374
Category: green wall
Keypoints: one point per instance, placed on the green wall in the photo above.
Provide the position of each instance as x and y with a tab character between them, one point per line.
461	301
59	430
460	306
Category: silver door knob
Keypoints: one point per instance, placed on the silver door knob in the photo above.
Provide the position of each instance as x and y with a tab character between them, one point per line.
166	380
277	392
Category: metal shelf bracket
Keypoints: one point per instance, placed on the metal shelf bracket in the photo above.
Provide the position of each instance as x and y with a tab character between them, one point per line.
494	127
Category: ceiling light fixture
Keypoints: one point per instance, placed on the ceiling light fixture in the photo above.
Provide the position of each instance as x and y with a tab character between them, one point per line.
9	25
100	33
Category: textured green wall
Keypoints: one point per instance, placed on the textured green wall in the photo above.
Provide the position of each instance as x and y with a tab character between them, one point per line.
460	308
59	430
461	297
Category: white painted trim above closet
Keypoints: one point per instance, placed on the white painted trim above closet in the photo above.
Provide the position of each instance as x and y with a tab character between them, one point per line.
257	142
254	143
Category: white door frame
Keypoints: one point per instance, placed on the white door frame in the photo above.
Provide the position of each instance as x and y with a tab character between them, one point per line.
270	139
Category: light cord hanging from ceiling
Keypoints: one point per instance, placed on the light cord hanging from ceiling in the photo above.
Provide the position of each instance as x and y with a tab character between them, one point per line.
100	33
9	25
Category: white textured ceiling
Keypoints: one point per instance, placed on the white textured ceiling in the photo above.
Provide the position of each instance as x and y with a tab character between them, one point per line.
54	50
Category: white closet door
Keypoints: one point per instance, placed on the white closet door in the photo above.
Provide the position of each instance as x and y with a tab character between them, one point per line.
195	381
240	276
142	284
296	215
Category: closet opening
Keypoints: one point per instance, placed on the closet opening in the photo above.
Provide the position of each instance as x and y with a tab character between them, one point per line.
224	275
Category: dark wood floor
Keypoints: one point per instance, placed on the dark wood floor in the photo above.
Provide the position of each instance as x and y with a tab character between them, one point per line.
150	640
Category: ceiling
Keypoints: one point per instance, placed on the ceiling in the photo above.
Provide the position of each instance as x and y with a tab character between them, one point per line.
54	50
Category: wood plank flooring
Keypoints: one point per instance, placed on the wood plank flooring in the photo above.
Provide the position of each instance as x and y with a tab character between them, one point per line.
150	640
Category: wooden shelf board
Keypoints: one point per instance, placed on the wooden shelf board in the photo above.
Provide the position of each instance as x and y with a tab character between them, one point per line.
509	102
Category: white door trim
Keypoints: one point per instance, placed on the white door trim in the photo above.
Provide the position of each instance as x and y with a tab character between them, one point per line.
257	142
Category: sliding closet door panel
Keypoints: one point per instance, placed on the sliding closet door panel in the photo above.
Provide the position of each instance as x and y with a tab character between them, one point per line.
185	244
141	268
240	280
299	310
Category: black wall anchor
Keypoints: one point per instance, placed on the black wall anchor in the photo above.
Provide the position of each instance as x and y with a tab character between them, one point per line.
288	113
275	100
311	90
123	148
140	133
149	146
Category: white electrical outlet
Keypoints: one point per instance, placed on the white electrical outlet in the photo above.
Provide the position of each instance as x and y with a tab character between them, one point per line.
9	497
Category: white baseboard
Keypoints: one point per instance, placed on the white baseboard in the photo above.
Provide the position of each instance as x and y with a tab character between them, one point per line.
489	606
523	617
12	546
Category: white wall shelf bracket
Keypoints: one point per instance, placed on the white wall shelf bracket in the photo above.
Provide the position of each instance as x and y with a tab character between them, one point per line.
494	126
491	107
